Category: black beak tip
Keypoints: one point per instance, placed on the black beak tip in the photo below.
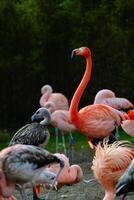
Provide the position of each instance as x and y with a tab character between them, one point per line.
72	54
62	164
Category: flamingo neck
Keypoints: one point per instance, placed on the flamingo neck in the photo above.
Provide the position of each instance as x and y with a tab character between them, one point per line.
77	95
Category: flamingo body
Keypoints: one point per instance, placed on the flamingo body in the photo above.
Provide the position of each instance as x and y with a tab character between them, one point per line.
108	97
70	174
98	121
109	164
60	119
21	164
57	100
31	134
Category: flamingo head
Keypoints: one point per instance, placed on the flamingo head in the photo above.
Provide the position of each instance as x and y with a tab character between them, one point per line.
131	114
82	51
42	114
46	88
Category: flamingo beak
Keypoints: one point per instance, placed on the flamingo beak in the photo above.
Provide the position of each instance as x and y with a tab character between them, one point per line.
91	144
72	54
33	118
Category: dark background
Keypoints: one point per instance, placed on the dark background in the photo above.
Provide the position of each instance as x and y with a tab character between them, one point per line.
36	40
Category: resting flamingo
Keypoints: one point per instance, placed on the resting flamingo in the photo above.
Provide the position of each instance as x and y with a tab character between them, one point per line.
94	121
22	164
108	97
58	100
109	163
70	174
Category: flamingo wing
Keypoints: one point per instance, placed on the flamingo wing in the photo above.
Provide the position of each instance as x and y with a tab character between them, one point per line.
32	134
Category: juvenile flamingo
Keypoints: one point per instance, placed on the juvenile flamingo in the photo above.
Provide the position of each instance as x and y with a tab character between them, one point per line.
60	119
22	164
94	121
108	97
125	184
109	163
70	174
35	134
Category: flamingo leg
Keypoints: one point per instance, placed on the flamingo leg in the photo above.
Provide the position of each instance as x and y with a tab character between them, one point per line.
23	194
56	139
63	143
53	184
71	145
124	197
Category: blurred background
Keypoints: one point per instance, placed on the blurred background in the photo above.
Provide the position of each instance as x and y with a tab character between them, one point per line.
36	40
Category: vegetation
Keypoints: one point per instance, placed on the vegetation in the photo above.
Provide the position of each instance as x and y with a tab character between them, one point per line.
80	141
37	37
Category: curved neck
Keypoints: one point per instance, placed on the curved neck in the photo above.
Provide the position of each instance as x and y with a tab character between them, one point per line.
77	95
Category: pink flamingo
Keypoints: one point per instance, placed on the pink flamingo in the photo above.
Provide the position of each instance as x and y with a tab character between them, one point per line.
109	164
57	100
94	121
128	125
22	164
70	174
53	102
108	97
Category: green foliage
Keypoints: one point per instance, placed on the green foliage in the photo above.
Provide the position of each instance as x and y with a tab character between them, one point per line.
37	37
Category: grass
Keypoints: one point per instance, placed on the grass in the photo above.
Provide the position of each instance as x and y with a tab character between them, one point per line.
79	139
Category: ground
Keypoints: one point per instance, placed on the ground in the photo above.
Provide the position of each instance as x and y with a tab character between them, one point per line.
80	191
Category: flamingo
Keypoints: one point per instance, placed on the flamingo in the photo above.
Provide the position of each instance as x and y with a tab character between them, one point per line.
22	164
54	101
128	125
109	163
94	121
60	119
126	181
108	97
58	100
126	130
33	134
70	174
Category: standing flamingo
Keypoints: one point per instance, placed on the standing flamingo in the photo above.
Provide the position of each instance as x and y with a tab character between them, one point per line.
108	97
21	164
126	182
60	119
94	121
35	134
109	163
54	101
